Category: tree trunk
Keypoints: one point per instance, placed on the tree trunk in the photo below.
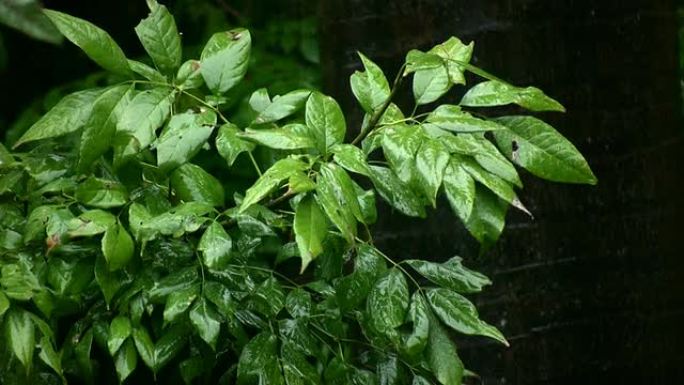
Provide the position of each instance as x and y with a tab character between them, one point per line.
591	291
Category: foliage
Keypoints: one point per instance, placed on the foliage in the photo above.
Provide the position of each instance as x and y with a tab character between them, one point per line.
123	257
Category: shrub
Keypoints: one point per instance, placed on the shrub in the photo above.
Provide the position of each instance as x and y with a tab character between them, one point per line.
124	258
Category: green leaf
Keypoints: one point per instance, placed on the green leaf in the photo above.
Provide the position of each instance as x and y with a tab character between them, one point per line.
280	171
126	360
119	331
20	336
351	158
68	115
4	303
215	246
326	121
51	358
229	144
268	297
300	183
207	321
353	289
178	302
145	347
487	220
400	144
100	128
539	148
415	342
459	188
430	84
454	52
184	218
117	247
417	60
388	302
82	352
283	106
298	303
258	362
451	275
225	59
310	227
189	75
288	137
159	35
110	282
296	369
143	116
497	185
169	345
370	87
442	356
146	71
453	118
431	161
90	223
27	17
219	295
496	93
336	195
183	137
94	41
396	193
101	193
460	314
192	184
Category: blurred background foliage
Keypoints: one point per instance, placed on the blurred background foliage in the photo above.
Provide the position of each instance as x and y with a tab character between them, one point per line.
37	68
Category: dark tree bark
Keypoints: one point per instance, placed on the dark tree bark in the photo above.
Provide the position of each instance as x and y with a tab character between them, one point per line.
592	290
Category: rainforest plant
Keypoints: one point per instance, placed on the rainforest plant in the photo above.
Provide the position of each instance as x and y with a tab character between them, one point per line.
127	256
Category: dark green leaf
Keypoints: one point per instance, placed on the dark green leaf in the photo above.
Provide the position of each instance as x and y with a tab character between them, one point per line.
20	336
283	106
460	314
178	302
142	117
487	220
225	58
68	115
94	41
207	321
18	281
442	356
296	369
99	129
126	360
145	346
451	275
310	229
229	144
219	295
268	298
388	302
496	93
183	137
370	87
192	184
543	151
52	358
259	362
326	121
298	303
159	35
119	331
117	247
169	345
215	246
28	17
417	340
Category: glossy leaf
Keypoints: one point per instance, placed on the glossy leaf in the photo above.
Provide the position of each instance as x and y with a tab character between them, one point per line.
178	302
296	369
283	106
370	87
310	227
183	137
225	58
100	128
91	223
336	196
50	357
117	247
146	71
285	138
94	41
453	118
400	144
431	161
442	357
230	145
143	116
126	360
418	314
280	171
451	275
298	303
189	75
460	314
20	336
119	331
215	246
454	53
495	93
544	152
351	158
207	321
430	84
192	184
396	193
326	121
159	35
388	302
68	115
488	217
417	60
258	362
459	188
497	185
101	193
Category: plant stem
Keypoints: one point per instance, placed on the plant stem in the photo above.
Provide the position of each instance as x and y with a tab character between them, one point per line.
375	118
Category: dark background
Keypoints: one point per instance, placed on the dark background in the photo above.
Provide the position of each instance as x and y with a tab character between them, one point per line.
589	292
